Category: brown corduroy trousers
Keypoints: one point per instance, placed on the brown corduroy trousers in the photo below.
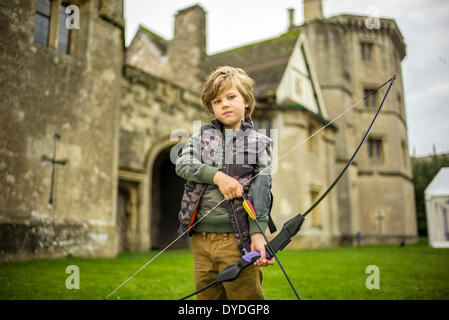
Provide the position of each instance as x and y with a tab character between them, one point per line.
213	252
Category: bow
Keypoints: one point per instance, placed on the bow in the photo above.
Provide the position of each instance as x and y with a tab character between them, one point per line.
292	226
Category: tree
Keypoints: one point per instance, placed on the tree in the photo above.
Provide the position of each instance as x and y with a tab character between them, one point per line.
424	170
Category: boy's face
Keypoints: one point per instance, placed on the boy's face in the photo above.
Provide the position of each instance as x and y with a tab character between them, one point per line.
229	108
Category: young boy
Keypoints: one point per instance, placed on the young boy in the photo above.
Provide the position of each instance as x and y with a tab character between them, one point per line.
220	164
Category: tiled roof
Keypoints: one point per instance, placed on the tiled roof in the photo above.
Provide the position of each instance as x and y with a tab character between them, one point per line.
264	61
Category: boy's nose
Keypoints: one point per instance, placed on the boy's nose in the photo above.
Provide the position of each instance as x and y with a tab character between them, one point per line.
226	102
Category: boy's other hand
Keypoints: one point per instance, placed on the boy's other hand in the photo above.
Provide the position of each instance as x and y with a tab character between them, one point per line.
258	244
229	187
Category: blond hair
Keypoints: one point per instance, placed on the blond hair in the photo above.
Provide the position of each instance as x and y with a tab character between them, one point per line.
223	78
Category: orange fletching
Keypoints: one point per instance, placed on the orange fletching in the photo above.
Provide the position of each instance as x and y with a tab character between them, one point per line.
249	208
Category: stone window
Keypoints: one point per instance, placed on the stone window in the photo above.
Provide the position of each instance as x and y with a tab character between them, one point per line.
371	100
313	143
42	22
399	103
298	87
404	152
375	149
50	25
316	214
366	50
64	32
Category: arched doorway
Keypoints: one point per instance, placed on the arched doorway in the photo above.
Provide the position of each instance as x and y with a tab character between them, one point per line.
167	189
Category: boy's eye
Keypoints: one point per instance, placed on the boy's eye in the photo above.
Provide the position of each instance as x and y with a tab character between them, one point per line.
218	101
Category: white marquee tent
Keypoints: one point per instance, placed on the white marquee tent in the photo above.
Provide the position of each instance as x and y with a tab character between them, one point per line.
437	210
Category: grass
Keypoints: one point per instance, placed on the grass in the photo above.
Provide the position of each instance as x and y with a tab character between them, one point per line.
410	272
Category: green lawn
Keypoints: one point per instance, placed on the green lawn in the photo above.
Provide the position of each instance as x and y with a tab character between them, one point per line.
410	272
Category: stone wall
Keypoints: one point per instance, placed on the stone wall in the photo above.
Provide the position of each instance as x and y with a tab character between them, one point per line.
76	96
305	168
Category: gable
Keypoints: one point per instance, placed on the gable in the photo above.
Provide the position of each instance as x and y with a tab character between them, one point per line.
299	85
147	52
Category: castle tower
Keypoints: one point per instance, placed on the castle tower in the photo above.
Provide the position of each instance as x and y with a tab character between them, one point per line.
187	50
353	55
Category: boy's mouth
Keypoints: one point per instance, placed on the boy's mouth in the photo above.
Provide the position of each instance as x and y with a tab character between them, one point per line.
227	112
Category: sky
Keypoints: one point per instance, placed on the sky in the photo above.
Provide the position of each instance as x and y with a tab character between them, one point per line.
424	25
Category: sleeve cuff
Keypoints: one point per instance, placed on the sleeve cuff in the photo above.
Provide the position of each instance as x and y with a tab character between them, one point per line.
207	173
263	222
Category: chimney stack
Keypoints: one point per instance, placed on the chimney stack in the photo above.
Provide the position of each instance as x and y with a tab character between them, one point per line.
291	18
187	50
313	9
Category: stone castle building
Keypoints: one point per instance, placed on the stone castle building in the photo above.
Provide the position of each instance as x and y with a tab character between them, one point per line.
89	127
